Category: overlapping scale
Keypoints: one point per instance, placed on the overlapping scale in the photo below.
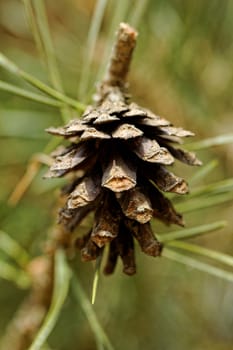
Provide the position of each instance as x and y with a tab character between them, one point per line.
122	150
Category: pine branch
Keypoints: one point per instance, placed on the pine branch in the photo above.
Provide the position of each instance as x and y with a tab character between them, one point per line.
28	318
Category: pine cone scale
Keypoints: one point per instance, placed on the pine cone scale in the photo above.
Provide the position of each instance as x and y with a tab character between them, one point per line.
134	177
118	176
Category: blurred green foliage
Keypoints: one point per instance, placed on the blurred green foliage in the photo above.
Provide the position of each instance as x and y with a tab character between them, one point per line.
182	69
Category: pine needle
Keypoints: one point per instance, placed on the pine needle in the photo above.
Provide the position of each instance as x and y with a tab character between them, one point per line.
90	47
15	275
13	249
192	232
14	69
100	335
33	26
49	52
32	96
205	170
137	13
60	291
223	186
210	201
30	174
24	183
119	10
196	264
210	142
208	253
96	279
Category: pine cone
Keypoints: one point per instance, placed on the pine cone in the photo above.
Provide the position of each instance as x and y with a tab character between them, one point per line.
122	150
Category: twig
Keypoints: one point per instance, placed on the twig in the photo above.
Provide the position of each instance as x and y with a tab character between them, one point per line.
121	56
31	313
37	315
113	87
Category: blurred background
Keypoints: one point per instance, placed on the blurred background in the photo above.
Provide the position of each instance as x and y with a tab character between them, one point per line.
182	70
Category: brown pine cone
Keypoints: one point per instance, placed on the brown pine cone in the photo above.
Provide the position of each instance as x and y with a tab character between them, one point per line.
122	150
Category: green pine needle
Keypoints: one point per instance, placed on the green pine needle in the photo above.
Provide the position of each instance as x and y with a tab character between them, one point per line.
60	291
96	279
47	44
210	142
102	339
33	26
32	96
208	253
10	273
191	232
205	170
13	249
203	203
224	186
137	12
14	69
49	53
196	264
119	13
90	46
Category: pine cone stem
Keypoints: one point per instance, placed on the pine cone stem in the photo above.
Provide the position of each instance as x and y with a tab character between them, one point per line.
113	87
121	56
